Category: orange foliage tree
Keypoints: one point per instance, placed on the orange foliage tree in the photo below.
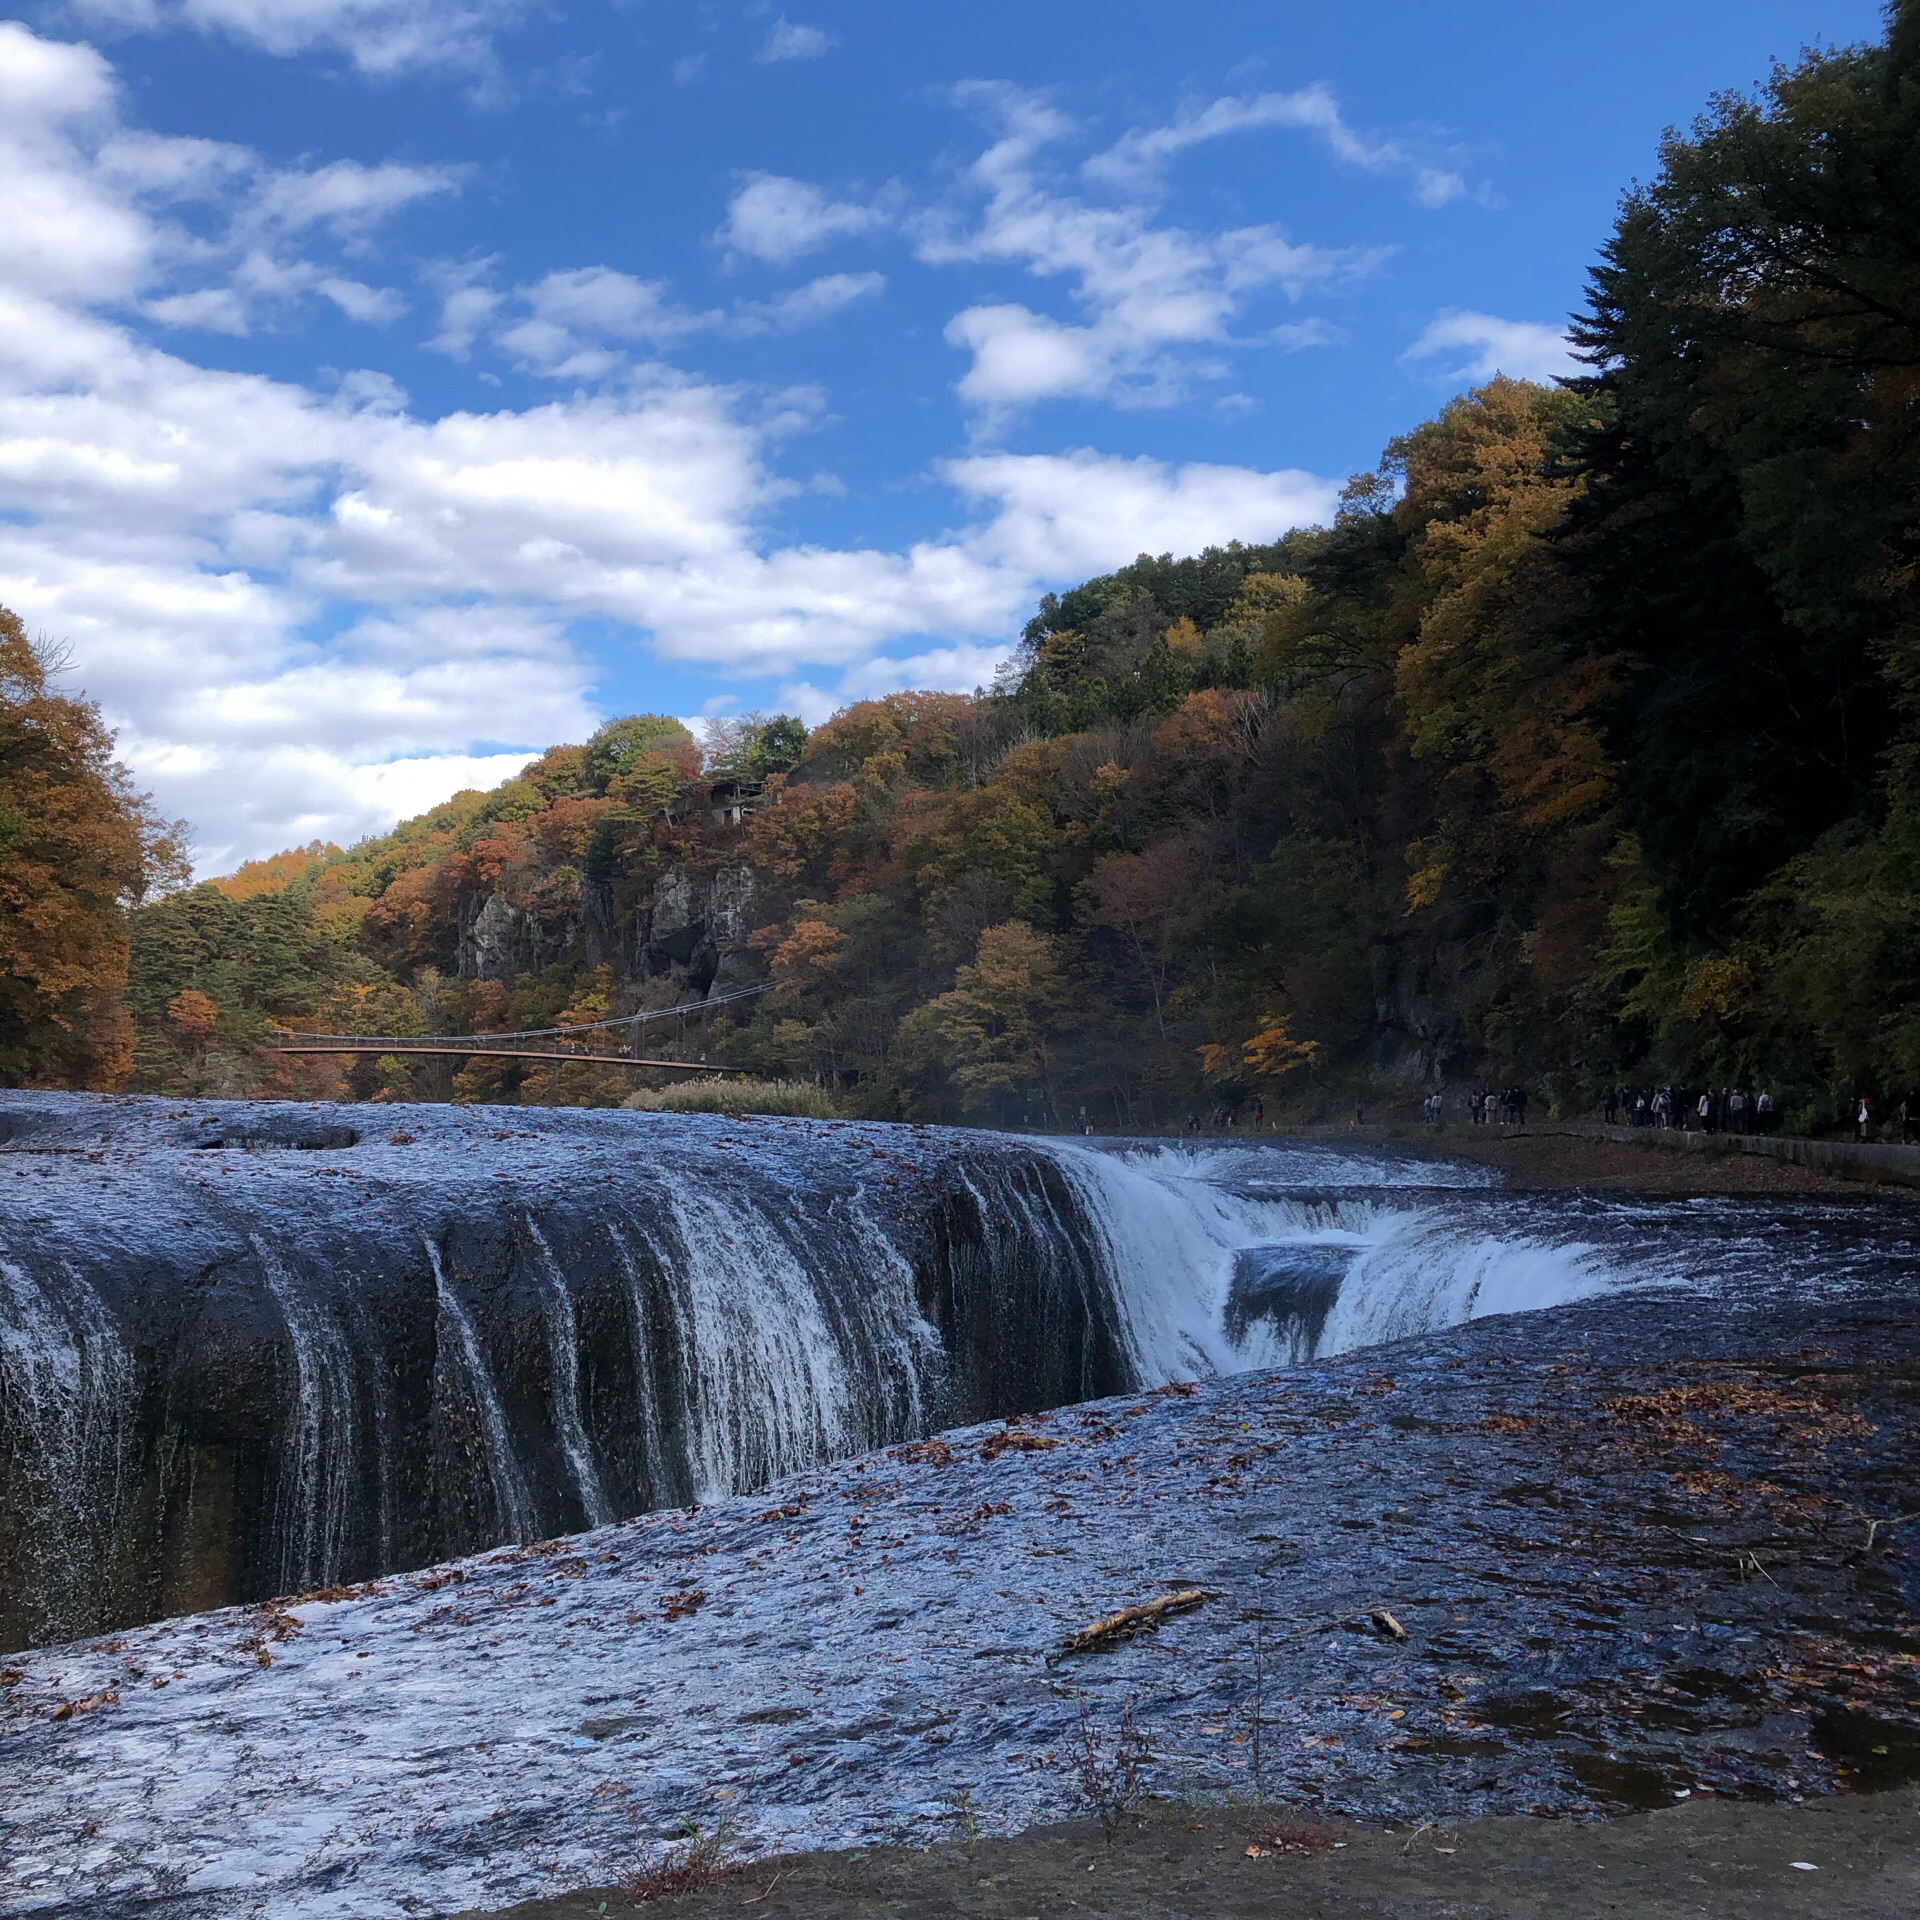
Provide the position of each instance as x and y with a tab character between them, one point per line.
78	847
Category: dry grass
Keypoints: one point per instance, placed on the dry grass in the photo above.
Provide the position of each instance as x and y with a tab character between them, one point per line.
702	1858
798	1099
1110	1776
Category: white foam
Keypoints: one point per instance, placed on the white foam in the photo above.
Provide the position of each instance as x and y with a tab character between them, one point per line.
1172	1235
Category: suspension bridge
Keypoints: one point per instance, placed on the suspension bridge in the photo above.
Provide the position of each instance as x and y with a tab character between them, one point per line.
567	1044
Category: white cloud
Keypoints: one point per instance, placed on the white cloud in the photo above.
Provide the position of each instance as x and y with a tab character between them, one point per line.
1293	335
1475	346
345	197
373	306
467	306
776	219
1062	516
85	200
579	323
957	669
1159	300
790	41
380	37
805	306
307	611
67	232
1135	159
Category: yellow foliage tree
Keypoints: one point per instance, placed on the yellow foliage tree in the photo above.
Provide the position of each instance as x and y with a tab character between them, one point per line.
996	1030
1270	1054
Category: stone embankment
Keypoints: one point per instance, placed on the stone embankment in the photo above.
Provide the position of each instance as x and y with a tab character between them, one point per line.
1847	1159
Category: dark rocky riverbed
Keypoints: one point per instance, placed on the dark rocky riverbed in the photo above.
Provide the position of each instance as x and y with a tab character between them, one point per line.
1641	1548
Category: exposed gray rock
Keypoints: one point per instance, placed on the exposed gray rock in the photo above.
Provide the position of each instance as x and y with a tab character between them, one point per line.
487	942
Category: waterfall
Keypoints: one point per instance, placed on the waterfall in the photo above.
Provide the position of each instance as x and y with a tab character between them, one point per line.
645	1337
319	1460
203	1403
1216	1278
65	1388
513	1510
768	1386
563	1350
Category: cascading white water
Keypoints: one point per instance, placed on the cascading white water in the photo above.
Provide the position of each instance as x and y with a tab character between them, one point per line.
644	1335
563	1348
1425	1273
512	1505
770	1385
1174	1237
320	1461
65	1387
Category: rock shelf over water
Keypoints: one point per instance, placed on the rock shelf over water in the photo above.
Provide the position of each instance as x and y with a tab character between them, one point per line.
251	1348
1629	1542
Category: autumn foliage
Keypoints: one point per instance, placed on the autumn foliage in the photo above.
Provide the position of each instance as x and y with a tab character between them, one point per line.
1583	743
78	847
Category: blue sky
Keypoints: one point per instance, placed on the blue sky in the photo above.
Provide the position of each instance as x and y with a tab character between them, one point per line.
389	388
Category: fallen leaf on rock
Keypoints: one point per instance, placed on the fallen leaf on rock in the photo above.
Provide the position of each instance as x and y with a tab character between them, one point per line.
70	1709
1013	1440
688	1600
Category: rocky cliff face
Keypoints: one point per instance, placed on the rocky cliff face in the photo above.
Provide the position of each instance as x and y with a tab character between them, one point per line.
499	941
691	927
695	926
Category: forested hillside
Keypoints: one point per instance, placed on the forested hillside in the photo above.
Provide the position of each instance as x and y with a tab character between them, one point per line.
1583	745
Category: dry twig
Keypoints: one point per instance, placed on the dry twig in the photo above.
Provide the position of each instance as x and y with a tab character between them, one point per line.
1113	1628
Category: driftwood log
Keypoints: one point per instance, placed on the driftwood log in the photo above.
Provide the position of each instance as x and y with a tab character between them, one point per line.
1112	1628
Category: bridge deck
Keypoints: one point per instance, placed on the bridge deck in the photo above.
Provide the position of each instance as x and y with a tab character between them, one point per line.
556	1054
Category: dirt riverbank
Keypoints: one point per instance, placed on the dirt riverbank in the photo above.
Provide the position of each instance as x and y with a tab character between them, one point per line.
1845	1857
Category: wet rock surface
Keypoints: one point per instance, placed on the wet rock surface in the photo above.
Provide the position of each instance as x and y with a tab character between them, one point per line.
251	1347
1640	1547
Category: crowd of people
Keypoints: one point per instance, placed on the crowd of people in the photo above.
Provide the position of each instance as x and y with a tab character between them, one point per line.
1485	1108
1711	1110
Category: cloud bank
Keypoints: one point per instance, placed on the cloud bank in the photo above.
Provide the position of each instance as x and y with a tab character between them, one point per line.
310	607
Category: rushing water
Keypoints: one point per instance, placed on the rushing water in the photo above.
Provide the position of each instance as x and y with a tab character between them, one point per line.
1631	1542
248	1349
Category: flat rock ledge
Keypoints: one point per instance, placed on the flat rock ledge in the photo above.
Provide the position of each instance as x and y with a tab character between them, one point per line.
1643	1551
